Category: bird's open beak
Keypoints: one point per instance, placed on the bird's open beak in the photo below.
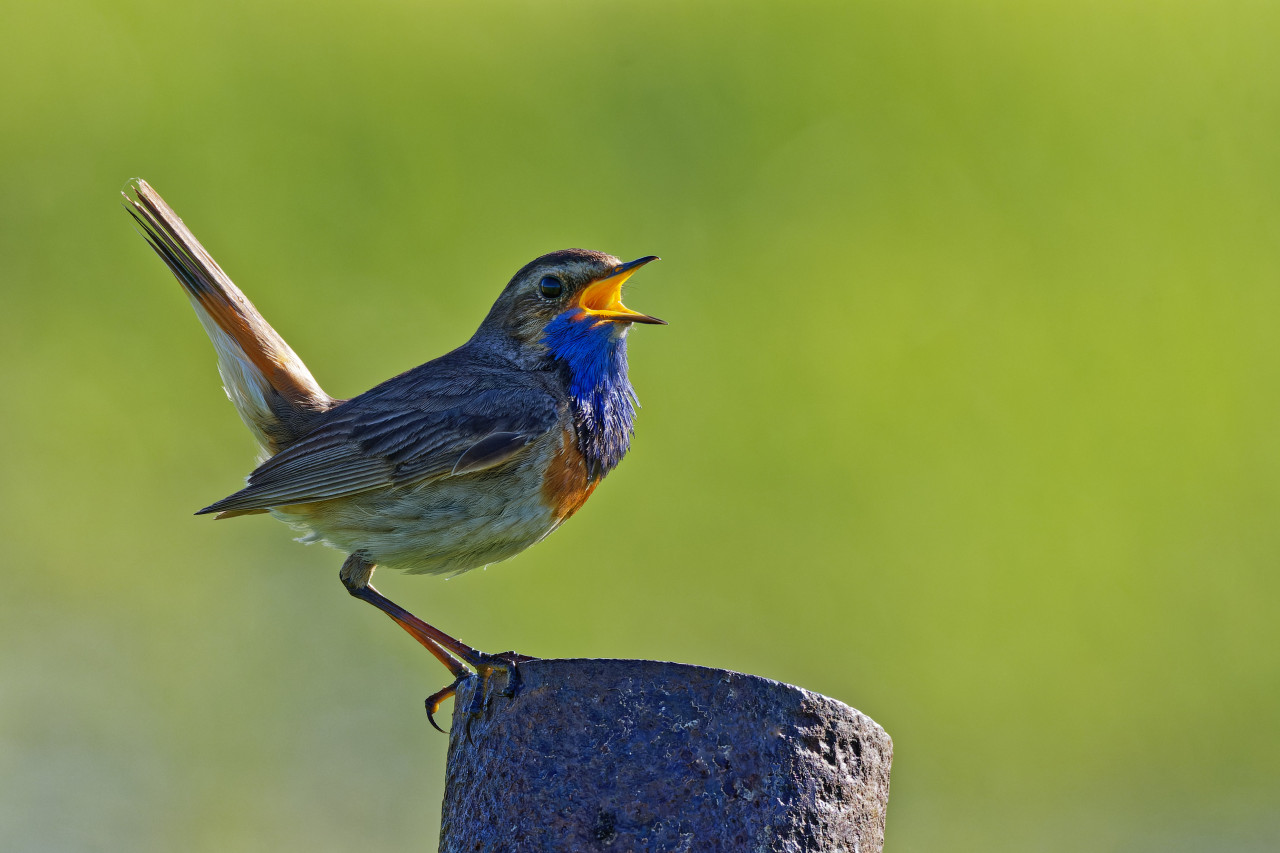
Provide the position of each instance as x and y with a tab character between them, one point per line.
602	299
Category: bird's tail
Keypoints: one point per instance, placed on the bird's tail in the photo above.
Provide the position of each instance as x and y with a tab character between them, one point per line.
271	388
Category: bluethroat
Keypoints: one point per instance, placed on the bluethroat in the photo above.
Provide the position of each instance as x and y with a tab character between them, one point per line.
461	462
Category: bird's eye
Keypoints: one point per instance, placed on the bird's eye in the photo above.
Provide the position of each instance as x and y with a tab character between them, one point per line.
550	287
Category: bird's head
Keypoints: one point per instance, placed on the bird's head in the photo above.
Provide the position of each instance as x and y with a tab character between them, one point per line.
574	290
565	310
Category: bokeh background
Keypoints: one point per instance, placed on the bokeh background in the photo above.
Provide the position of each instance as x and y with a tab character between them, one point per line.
967	414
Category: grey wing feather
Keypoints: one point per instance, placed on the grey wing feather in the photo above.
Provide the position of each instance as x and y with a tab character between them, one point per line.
375	445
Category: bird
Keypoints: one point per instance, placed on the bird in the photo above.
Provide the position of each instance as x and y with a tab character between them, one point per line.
458	463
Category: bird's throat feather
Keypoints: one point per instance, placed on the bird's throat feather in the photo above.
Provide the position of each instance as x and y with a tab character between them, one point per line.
603	401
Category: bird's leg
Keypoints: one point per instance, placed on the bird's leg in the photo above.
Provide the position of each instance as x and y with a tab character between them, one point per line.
456	655
355	574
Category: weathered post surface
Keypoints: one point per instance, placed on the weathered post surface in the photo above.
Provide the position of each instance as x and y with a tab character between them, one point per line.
633	755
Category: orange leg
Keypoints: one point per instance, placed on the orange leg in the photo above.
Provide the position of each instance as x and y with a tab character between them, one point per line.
459	658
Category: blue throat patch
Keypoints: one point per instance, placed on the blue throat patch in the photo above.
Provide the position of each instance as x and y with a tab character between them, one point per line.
603	401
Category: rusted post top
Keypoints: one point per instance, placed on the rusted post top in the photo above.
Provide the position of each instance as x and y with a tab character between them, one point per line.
633	755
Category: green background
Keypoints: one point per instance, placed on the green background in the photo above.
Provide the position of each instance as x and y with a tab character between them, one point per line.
967	414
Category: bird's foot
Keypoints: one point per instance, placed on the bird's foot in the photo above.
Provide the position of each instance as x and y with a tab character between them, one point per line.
485	665
510	664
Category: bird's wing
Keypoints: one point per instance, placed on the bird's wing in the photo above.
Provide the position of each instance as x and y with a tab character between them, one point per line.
371	442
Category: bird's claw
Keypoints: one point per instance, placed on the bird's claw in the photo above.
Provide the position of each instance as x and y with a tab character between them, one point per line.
508	662
435	700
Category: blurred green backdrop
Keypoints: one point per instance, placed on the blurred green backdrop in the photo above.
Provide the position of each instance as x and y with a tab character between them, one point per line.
967	413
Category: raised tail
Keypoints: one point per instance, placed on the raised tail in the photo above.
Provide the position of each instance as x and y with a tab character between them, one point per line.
271	388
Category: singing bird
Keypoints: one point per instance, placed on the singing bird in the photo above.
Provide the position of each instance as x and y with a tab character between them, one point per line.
461	462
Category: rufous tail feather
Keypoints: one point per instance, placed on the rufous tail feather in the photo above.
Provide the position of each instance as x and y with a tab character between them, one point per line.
271	388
